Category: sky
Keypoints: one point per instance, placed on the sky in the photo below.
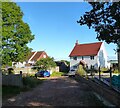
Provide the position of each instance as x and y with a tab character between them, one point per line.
55	27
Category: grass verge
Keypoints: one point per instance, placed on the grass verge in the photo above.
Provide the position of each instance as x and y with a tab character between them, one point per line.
57	74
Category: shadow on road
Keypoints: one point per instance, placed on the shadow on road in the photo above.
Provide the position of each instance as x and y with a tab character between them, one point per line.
61	91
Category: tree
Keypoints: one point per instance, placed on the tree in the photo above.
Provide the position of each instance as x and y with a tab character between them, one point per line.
45	63
16	34
81	71
67	62
104	18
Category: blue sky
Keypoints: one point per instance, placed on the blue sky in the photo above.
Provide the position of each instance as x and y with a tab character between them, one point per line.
56	29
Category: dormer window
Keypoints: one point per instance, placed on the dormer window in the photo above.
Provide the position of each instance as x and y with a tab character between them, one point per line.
75	58
92	57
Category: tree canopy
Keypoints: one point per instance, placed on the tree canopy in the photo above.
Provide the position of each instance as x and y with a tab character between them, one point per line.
104	18
16	34
45	63
67	62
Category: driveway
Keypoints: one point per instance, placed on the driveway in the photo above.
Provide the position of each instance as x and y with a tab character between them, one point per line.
62	91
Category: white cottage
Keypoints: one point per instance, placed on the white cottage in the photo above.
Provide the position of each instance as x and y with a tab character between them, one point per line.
31	59
92	55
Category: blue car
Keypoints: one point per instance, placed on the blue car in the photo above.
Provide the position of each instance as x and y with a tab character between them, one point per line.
42	74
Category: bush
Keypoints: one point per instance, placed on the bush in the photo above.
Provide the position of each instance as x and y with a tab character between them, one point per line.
116	71
4	71
11	71
30	81
81	71
104	69
57	74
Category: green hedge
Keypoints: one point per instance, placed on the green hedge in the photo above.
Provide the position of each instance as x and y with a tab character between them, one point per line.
81	71
30	81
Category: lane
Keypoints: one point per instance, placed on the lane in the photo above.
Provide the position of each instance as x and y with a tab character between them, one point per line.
61	91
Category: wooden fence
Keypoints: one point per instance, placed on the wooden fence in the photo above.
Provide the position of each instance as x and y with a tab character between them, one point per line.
12	79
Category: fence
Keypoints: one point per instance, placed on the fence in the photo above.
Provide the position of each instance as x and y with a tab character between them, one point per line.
26	70
29	70
12	79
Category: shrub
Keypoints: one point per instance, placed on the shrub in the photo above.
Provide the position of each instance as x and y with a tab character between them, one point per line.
4	71
116	71
81	71
11	71
30	81
104	69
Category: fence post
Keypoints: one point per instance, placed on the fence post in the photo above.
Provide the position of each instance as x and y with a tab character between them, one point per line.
21	83
99	73
110	76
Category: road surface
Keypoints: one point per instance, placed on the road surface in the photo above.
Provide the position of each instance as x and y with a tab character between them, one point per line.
62	91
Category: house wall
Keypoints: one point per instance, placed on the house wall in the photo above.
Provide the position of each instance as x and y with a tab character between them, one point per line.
19	64
86	59
43	55
102	57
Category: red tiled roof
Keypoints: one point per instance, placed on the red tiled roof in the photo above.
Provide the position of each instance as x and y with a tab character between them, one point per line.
37	56
30	55
86	49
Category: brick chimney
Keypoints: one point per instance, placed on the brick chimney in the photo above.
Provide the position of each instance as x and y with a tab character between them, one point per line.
76	42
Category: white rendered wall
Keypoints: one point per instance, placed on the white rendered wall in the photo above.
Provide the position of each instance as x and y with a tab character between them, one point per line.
19	64
87	60
102	57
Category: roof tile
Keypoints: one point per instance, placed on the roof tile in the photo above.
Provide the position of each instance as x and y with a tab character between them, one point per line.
86	49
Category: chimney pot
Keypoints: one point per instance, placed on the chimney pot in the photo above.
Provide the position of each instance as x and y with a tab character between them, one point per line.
76	42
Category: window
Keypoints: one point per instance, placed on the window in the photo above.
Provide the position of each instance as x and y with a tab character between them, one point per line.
92	57
74	58
44	56
92	67
75	67
82	58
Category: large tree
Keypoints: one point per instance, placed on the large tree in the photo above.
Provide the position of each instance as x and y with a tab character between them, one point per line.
104	18
16	34
45	63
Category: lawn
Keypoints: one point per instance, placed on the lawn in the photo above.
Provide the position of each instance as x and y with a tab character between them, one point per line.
57	74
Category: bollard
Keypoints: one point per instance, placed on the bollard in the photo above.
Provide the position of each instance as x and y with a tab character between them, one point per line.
20	72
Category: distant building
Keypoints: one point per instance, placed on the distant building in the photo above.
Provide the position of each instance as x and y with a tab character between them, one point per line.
32	59
114	63
92	55
63	67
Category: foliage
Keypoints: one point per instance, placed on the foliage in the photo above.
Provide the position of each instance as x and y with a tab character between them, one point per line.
30	81
15	34
116	71
104	18
67	62
81	71
104	69
4	71
11	71
45	63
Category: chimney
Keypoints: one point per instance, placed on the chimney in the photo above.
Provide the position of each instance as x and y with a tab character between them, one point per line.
76	42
